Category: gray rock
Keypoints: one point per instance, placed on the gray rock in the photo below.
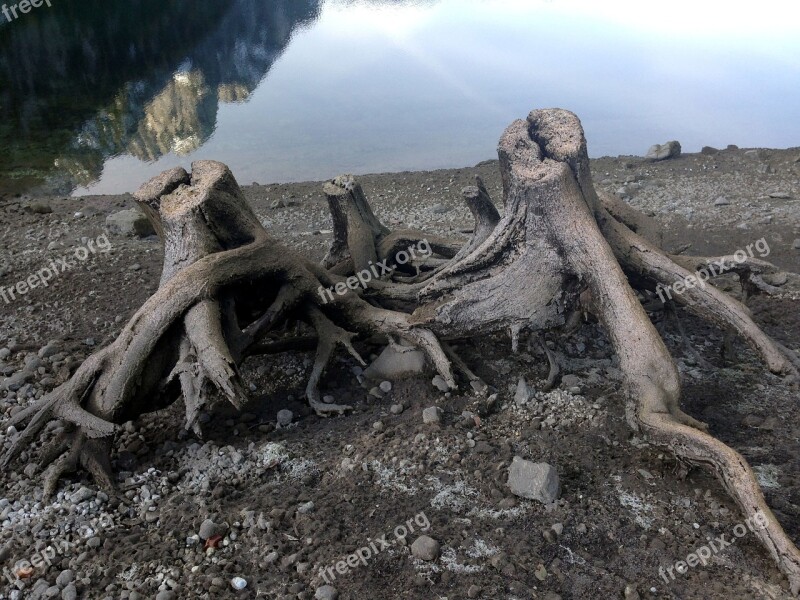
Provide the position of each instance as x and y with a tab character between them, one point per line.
709	150
664	151
81	495
69	592
209	529
396	409
65	578
721	201
796	244
166	595
439	209
386	386
40	208
432	415
130	222
523	393
534	481
396	364
48	350
285	417
440	384
781	195
326	592
17	380
426	548
4	353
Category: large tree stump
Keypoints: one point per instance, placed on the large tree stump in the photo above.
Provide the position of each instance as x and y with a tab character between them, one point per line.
558	250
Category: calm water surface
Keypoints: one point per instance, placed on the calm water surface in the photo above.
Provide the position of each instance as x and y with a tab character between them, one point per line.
99	95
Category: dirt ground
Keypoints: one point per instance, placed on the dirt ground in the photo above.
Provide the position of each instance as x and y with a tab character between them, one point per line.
291	501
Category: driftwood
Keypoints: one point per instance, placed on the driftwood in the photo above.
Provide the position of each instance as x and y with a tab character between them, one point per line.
559	250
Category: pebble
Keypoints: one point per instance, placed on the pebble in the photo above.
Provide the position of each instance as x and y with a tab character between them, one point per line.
238	583
285	417
425	548
721	201
431	415
326	592
534	481
65	578
70	592
440	384
523	393
166	595
796	244
378	425
208	529
474	591
386	386
396	409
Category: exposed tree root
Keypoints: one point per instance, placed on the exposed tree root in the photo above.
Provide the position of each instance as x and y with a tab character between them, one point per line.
557	251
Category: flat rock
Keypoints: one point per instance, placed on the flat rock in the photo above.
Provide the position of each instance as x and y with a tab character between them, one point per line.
534	481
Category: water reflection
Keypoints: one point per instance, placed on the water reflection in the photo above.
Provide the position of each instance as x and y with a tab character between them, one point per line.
99	95
91	79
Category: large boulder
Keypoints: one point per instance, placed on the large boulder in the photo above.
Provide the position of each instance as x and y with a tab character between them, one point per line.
131	223
664	151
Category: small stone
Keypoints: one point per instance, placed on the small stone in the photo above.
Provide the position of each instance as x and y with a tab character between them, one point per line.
721	201
523	393
708	150
166	595
396	409
474	591
631	593
285	417
534	481
781	195
425	548
386	386
326	592
439	209
70	592
328	399
40	208
94	542
796	244
209	529
65	578
540	573
440	384
558	528
306	508
376	392
378	425
238	583
432	415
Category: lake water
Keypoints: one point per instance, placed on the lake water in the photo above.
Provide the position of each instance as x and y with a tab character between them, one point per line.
99	95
